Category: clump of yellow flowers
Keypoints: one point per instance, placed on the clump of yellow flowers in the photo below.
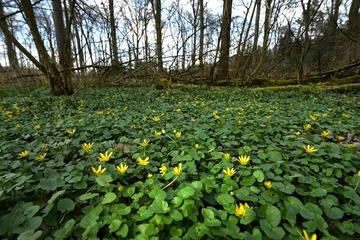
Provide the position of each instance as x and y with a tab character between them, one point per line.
24	154
240	210
98	171
309	149
243	160
178	170
87	147
105	157
229	172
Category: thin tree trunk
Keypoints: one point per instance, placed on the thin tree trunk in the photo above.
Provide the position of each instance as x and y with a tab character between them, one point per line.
11	53
156	7
114	48
223	68
202	34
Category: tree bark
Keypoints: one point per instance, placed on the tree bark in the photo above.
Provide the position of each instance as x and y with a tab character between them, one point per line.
11	53
354	32
114	48
156	7
223	67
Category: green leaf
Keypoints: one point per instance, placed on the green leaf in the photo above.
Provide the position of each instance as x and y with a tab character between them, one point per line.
159	206
274	156
334	213
186	192
272	214
108	198
247	181
30	235
225	199
318	192
65	204
320	223
207	213
55	196
129	191
48	184
123	231
69	225
114	225
104	180
31	211
276	233
175	215
259	175
158	193
249	216
87	196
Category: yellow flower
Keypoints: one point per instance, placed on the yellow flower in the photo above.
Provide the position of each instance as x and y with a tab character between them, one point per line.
163	131
240	210
157	133
307	126
178	170
227	156
149	175
120	187
325	133
358	174
143	162
144	143
98	171
340	138
297	133
44	146
268	184
105	157
163	169
196	146
24	154
243	160
156	119
306	237
309	149
71	132
229	172
345	115
41	157
313	117
178	134
87	147
37	127
122	168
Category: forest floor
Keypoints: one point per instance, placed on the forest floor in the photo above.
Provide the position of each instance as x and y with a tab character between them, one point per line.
180	163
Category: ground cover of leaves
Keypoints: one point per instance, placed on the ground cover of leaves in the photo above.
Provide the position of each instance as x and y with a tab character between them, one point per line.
190	163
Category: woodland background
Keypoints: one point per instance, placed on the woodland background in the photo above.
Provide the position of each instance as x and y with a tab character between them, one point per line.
71	43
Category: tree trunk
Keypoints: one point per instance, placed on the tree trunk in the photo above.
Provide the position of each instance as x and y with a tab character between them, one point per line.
202	33
223	68
114	48
156	7
11	53
354	32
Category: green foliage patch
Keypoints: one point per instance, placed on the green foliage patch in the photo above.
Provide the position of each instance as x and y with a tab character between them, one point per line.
186	163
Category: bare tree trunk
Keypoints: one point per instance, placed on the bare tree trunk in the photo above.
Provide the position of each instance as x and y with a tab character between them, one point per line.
223	68
256	32
114	48
354	26
156	7
195	10
202	33
11	53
